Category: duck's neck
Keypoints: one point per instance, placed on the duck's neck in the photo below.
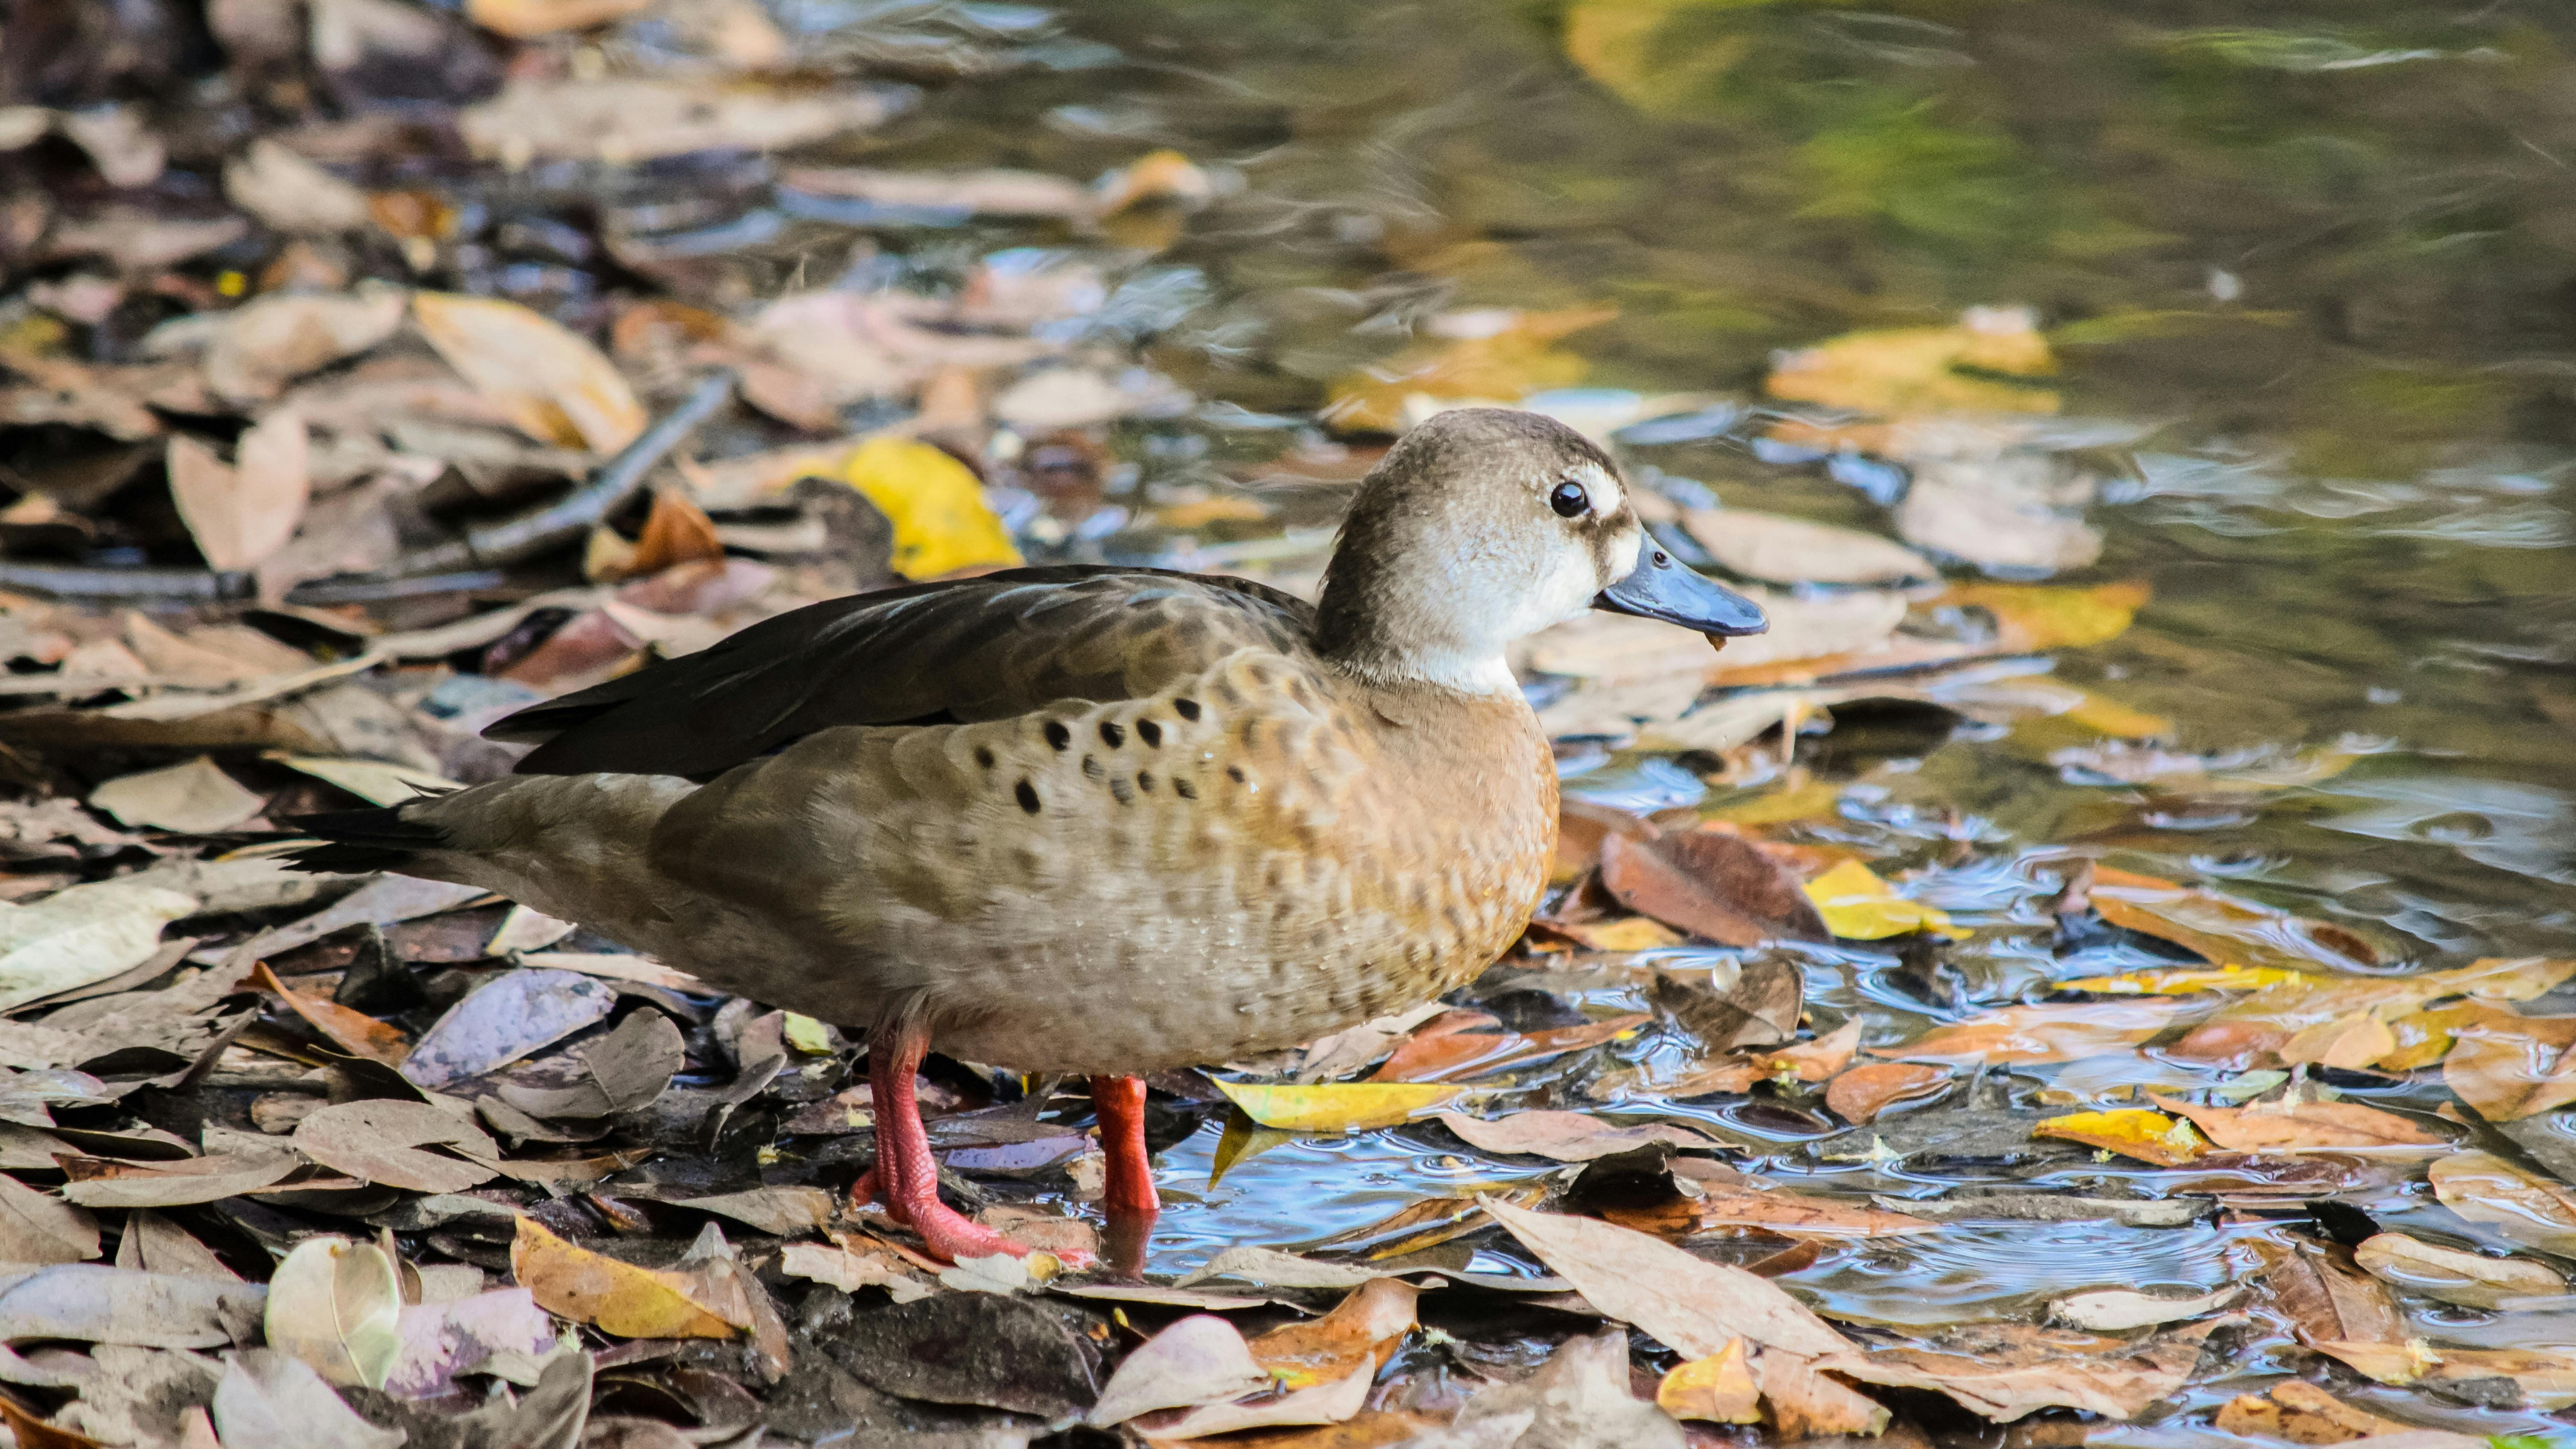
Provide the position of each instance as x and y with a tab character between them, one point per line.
1372	630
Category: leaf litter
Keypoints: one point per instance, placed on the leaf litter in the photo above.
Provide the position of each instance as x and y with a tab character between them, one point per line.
1788	1020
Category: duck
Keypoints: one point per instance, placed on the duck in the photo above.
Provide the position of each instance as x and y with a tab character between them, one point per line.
1100	821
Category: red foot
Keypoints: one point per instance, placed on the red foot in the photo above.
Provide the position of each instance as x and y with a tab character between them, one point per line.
1129	1191
906	1176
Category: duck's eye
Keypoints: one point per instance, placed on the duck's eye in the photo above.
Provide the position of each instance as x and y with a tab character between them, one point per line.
1569	500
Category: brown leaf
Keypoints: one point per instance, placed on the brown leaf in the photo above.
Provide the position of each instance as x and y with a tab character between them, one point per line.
1718	886
37	1227
1860	1094
2545	1376
2485	1188
2323	1296
2303	1414
1583	1397
2509	1066
2044	1033
1817	1060
554	386
1580	828
2007	1370
1794	1214
2453	1275
677	531
1200	1359
353	1032
195	798
1362	1330
241	513
1778	549
527	19
381	1141
1805	1404
104	1184
1455	1045
253	351
1759	1009
2303	1126
1567	1136
1693	1306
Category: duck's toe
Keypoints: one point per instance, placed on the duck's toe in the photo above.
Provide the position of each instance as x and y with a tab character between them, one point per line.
949	1234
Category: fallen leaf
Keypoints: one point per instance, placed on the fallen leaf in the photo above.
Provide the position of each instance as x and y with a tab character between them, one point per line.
2510	1066
940	195
1778	549
2131	1132
1759	1008
1479	357
936	504
625	1071
1322	1404
1860	1094
442	1339
81	934
1362	1330
1426	1222
2529	1209
2546	1377
2304	1126
553	386
273	1399
840	1266
1579	1399
104	1184
241	513
2453	1275
503	1020
2227	931
1718	1388
676	531
252	352
2043	1033
39	1228
625	119
1798	1214
2316	1288
196	798
2183	981
336	1304
1720	887
1456	1045
381	1141
152	1243
1920	370
1198	1360
92	1303
291	194
528	19
2117	1310
1566	1136
1271	1268
1805	1404
2008	1370
378	782
614	1297
1335	1107
1858	906
2301	1413
1691	1305
354	1032
2012	512
120	142
1817	1060
781	1211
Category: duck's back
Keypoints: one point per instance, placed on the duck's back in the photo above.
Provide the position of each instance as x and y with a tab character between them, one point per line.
1087	821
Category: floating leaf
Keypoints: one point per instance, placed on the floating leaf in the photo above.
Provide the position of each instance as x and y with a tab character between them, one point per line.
1567	1136
1778	549
1863	1092
1858	906
2183	981
611	1296
337	1306
1335	1107
2296	1126
1917	370
2510	1066
2547	1377
936	504
2529	1209
553	386
2117	1310
2131	1132
2301	1413
2043	1033
2227	931
1692	1305
1502	357
2030	618
2007	1370
2452	1275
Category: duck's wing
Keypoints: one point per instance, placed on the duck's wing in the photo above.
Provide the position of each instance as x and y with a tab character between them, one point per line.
953	651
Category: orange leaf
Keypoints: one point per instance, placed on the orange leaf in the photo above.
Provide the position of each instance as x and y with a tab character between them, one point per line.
2303	1126
2131	1132
354	1032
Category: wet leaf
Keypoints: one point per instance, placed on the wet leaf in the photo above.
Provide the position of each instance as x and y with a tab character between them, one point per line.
1456	1046
2117	1310
1798	1214
81	934
2473	1280
383	1141
1863	1092
1198	1360
941	522
38	1228
2508	1066
1919	370
1328	1403
1718	1388
2131	1132
354	1032
503	1020
2006	1371
1566	1136
2304	1126
1817	1060
242	512
196	798
1272	1268
336	1305
1760	1008
1858	906
613	1297
2034	617
1717	886
1693	1306
1483	357
625	119
2011	513
1579	1399
1806	1404
1778	549
271	1398
1335	1107
552	385
2226	931
2546	1377
2316	1289
2182	981
2343	1020
2529	1209
2301	1413
1362	1331
527	19
2044	1033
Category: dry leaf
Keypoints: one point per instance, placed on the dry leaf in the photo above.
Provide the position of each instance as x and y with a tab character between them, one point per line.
337	1305
39	1228
442	1339
1363	1330
1718	1388
848	1270
382	1141
255	350
1863	1092
503	1020
1198	1360
103	1184
277	1401
81	934
936	504
2484	1188
1580	1398
553	386
613	1297
290	193
242	513
2302	1126
1693	1306
1335	1107
2005	1371
2452	1275
196	798
625	119
1720	887
1323	1404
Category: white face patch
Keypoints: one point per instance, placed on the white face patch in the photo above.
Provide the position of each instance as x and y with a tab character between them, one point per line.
1598	486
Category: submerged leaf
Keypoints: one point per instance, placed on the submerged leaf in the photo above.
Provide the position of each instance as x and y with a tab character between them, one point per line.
2294	1126
1858	906
1693	1306
2044	1033
2484	1188
2473	1280
1718	886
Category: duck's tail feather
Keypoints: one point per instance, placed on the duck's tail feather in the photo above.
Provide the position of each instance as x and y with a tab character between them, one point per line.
357	841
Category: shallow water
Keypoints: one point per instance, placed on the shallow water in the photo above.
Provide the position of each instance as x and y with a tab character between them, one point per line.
2306	270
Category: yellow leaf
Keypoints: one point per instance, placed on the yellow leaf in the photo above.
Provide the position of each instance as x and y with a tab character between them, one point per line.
1633	933
1814	800
807	1035
941	523
2031	617
2224	929
1718	1388
2131	1132
613	1297
1502	365
1916	370
552	385
1858	906
2110	717
2180	981
1336	1107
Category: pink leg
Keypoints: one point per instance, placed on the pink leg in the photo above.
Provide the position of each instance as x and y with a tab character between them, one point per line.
1130	1188
905	1170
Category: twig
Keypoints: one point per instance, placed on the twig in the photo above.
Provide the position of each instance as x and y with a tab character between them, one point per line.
374	589
78	581
526	535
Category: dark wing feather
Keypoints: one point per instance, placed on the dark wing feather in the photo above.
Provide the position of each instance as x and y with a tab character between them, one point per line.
963	650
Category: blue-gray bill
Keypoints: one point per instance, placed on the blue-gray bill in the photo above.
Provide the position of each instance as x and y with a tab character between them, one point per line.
1662	588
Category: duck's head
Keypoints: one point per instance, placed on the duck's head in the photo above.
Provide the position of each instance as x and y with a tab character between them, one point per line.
1485	525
